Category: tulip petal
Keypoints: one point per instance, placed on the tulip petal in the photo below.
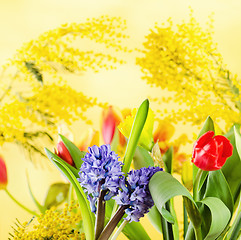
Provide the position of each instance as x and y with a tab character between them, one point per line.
204	160
227	146
204	139
64	153
3	174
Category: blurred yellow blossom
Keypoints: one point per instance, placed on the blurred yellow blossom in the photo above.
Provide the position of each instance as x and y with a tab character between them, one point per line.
34	96
184	60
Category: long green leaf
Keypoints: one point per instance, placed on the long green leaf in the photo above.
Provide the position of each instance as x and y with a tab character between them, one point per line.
167	159
218	187
237	141
163	187
57	158
41	208
232	166
83	202
135	231
142	158
220	216
57	194
74	151
235	229
135	134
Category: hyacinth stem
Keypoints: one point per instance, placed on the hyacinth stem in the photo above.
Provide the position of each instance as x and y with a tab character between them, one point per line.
109	228
100	214
20	204
119	230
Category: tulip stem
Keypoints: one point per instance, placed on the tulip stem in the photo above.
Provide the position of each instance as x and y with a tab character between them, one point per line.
119	230
20	204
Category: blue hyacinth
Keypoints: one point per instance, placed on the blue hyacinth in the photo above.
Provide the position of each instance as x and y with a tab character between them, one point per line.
100	170
134	193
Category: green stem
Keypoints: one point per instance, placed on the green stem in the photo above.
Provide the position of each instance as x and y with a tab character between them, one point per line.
198	233
109	228
185	221
196	184
166	226
70	193
119	230
100	215
20	204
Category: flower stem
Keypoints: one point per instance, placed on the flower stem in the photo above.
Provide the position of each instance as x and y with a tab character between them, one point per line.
100	215
198	233
20	204
109	228
119	230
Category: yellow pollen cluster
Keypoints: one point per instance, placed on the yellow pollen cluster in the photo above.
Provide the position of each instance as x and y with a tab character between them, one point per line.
54	224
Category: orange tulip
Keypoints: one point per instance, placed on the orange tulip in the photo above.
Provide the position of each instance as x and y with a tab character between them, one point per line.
63	153
164	131
3	174
90	138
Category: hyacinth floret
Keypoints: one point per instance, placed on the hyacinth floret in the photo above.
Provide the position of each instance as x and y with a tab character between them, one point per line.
100	170
134	193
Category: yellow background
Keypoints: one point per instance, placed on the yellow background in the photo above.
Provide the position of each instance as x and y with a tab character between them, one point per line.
23	20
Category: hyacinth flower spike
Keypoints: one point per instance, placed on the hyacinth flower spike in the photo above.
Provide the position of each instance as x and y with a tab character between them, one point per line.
100	175
133	198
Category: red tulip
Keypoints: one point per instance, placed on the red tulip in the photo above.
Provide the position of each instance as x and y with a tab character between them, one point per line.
63	153
3	174
110	120
210	153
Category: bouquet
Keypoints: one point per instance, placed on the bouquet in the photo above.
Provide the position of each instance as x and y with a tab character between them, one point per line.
110	197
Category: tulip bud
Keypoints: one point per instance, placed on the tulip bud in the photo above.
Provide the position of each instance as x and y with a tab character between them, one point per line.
3	174
187	175
110	120
63	153
210	153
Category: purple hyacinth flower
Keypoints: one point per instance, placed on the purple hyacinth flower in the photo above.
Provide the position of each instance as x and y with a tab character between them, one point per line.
100	170
135	194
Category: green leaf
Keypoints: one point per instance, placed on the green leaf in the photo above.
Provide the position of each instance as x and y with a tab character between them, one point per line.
237	141
167	215
218	187
208	126
142	158
39	206
232	166
51	156
74	151
163	187
220	216
136	130
135	231
57	194
155	218
167	159
202	179
35	71
87	216
235	229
